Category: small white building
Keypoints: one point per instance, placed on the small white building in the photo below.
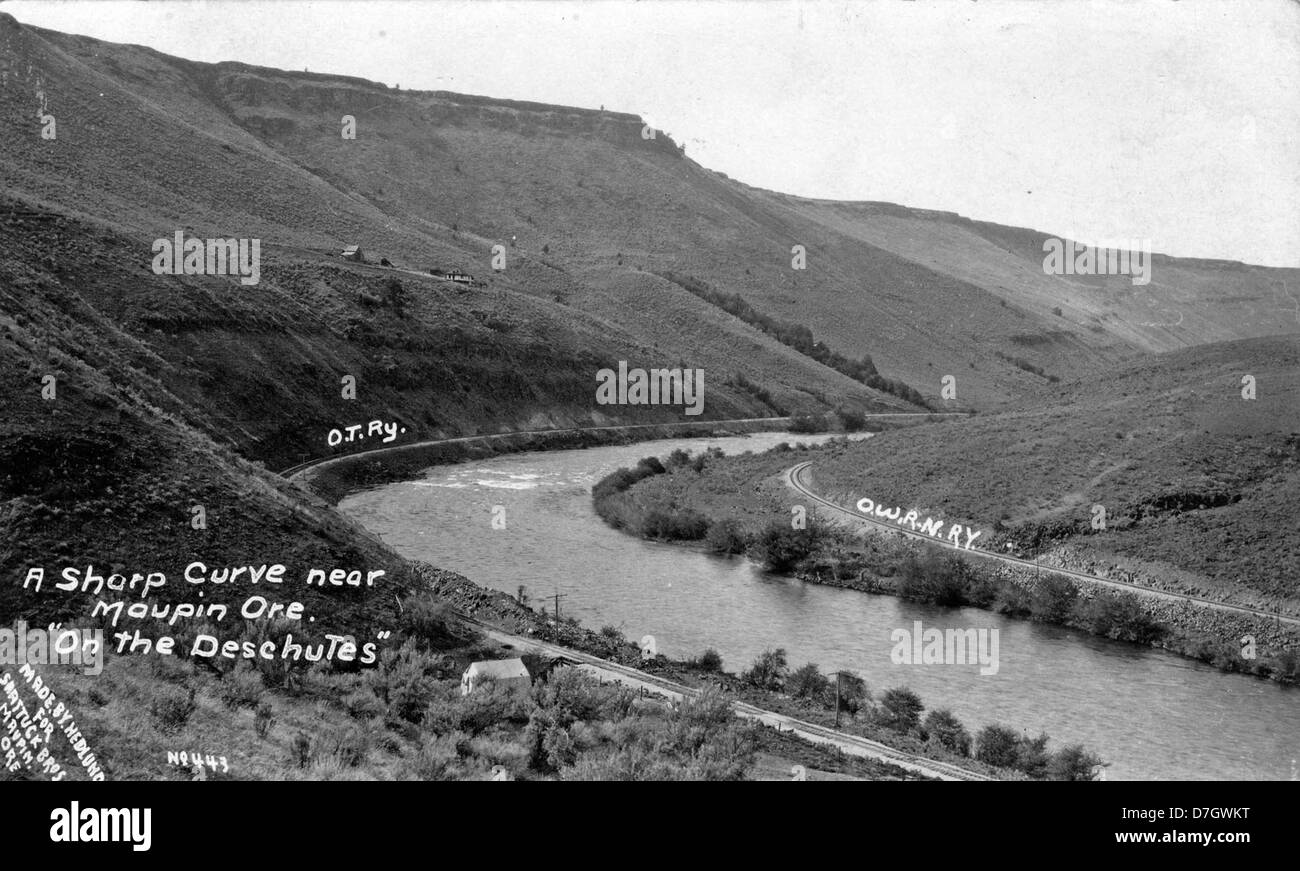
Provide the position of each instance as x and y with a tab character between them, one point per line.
503	672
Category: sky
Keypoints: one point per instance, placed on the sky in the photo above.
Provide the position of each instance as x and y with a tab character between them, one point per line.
1174	122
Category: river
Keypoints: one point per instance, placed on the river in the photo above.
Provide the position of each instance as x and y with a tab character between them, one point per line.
1150	714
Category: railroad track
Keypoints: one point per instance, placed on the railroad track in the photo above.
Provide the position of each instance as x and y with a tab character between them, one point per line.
854	745
794	477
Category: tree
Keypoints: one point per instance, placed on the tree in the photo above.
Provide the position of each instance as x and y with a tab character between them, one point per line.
948	731
853	692
807	682
725	536
996	746
782	548
1052	599
394	294
1032	757
769	671
1073	763
900	709
710	660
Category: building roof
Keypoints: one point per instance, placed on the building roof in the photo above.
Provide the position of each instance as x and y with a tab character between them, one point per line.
498	669
352	249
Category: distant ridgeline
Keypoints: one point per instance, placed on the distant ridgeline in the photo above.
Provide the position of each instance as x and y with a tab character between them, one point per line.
797	336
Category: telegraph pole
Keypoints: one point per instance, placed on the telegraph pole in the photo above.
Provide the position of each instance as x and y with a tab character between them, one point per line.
838	675
557	597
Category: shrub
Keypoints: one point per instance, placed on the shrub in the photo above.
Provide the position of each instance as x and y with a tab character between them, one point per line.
853	692
934	578
1032	757
241	687
807	682
769	670
900	709
352	747
302	752
710	660
558	747
572	695
1012	599
781	547
678	458
725	537
944	728
851	420
808	423
1052	599
363	705
429	622
171	708
394	293
263	719
688	525
996	746
1073	763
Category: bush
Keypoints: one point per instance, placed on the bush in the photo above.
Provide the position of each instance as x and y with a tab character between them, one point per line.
572	695
1052	599
363	705
263	719
725	537
997	746
900	709
852	421
1073	763
934	578
1032	757
352	747
558	747
302	752
781	547
942	727
241	687
807	682
429	622
394	293
853	692
769	670
1012	600
710	660
808	423
171	708
688	525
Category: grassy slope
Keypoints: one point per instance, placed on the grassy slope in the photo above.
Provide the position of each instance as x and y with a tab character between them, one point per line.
1200	485
437	178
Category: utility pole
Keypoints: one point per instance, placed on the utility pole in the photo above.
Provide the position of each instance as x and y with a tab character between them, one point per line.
838	675
557	597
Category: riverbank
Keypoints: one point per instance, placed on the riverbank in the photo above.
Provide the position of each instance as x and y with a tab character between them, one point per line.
499	610
334	478
737	505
